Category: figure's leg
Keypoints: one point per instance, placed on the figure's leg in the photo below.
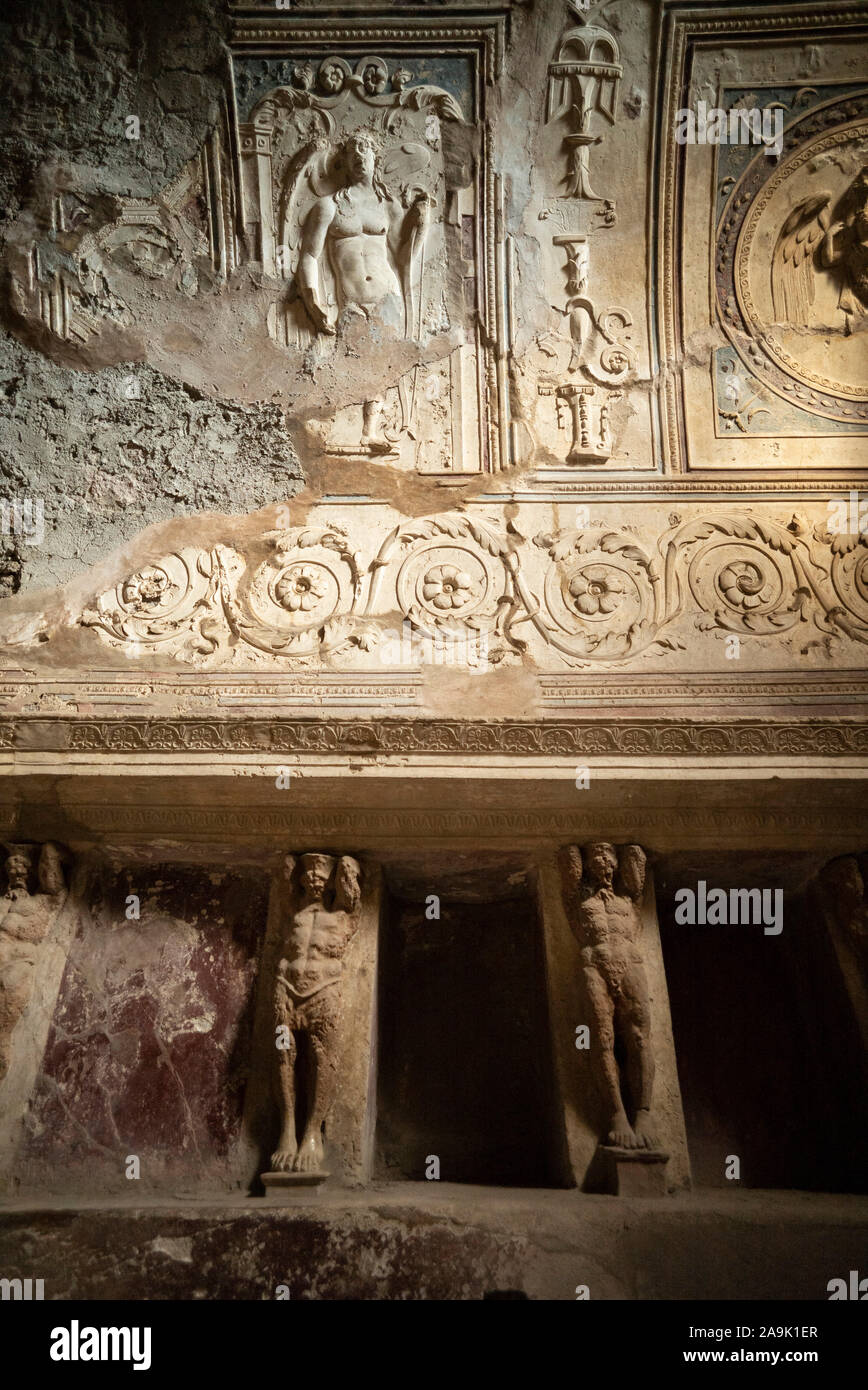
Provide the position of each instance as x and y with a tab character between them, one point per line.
322	1063
635	1021
618	1131
282	1158
372	427
15	985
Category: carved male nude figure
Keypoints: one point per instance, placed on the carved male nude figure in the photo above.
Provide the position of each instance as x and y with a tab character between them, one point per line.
308	1002
25	919
354	227
607	925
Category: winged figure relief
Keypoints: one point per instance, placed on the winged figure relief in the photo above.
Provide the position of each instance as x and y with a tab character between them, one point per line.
353	224
818	238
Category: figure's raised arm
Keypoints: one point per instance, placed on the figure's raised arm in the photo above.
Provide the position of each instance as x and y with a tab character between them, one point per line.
570	864
348	892
633	861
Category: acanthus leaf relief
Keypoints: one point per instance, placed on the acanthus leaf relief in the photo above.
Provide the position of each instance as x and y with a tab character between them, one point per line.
601	593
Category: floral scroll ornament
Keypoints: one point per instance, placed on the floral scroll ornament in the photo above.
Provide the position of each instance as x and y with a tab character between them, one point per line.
594	595
603	596
303	598
745	576
168	608
456	577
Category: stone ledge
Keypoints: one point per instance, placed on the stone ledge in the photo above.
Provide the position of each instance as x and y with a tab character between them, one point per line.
409	1241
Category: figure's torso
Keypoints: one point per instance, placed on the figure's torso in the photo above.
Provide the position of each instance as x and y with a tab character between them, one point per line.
608	921
25	918
358	248
24	923
314	945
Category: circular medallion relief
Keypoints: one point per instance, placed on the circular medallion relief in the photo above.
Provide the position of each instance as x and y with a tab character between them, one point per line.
801	271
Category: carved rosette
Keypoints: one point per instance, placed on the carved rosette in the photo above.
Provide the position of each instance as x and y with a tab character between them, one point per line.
744	578
167	607
455	577
601	594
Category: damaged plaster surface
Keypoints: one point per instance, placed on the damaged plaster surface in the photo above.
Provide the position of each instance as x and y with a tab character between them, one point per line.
109	449
270	366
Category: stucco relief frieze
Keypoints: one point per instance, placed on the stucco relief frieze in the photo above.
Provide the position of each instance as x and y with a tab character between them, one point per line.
595	594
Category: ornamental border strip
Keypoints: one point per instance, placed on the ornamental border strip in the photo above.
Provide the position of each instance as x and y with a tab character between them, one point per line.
529	738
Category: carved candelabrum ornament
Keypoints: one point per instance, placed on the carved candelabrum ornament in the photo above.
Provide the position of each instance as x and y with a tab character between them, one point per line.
603	889
589	413
600	354
26	918
323	903
584	79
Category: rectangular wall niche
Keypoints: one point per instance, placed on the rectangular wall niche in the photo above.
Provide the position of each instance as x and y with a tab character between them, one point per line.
465	1069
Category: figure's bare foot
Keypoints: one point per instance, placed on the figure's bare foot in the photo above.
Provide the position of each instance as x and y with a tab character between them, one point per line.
645	1131
309	1157
621	1134
284	1155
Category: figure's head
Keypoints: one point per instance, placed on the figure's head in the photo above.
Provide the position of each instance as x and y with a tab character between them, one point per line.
602	862
18	864
316	870
360	155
